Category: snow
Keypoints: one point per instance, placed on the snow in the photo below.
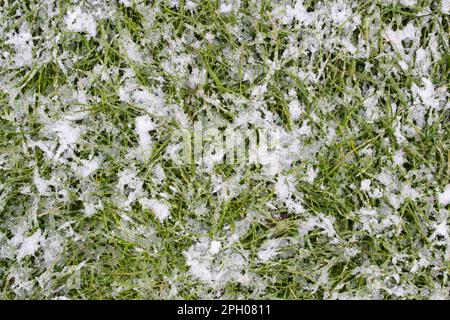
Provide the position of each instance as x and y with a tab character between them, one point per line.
41	184
131	49
158	174
91	208
444	197
282	189
376	193
127	177
298	13
22	43
215	247
305	129
409	2
270	249
440	229
396	37
30	245
91	126
445	7
340	13
126	3
311	175
190	5
407	192
159	208
88	167
225	8
426	93
365	185
78	21
68	133
52	247
295	109
399	158
258	91
218	271
143	125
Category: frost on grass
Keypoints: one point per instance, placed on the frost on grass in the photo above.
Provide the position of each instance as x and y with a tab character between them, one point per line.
79	21
350	198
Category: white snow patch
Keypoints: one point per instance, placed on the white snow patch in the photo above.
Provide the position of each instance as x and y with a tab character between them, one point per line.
399	158
143	125
365	185
88	167
298	12
91	208
158	174
270	249
159	208
444	197
295	109
30	245
396	37
126	3
23	46
214	247
282	189
67	133
40	183
217	270
258	91
408	192
409	2
440	229
225	8
311	175
426	93
190	5
131	49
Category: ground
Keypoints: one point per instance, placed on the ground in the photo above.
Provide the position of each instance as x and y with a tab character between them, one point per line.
346	194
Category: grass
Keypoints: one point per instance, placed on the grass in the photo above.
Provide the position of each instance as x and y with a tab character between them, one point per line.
124	251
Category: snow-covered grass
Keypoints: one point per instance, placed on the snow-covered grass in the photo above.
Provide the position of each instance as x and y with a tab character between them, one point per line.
95	202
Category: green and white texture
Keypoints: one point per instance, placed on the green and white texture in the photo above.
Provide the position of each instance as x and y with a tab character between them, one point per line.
96	204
